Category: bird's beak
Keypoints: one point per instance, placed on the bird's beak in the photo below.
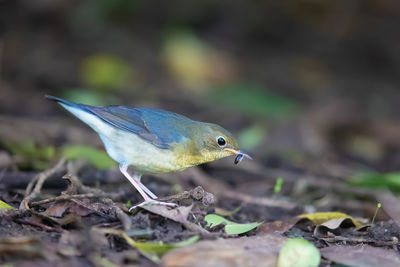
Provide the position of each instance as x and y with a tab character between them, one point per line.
237	152
240	154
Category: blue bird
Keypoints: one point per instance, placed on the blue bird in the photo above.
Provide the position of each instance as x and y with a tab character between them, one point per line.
154	141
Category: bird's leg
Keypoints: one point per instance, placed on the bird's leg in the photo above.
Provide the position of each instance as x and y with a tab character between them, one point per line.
151	194
124	169
136	183
136	177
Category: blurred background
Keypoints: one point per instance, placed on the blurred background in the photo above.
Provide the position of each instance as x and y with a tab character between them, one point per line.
306	86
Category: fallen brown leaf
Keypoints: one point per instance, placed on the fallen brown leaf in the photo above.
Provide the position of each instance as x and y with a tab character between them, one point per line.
179	214
57	209
334	226
274	227
245	251
365	256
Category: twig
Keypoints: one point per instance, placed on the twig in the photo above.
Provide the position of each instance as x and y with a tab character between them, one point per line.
33	190
68	197
74	168
38	224
361	240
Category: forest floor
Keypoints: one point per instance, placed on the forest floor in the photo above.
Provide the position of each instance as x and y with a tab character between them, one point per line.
74	213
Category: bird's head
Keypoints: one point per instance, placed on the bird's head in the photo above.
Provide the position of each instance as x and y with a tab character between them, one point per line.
214	142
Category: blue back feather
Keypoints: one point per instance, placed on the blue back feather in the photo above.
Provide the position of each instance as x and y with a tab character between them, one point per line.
159	127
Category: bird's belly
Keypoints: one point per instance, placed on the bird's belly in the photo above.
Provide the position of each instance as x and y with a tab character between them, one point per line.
144	157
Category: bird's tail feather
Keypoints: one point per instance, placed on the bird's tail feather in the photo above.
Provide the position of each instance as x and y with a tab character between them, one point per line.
63	101
83	112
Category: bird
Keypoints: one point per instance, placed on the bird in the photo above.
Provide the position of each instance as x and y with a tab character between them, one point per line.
154	141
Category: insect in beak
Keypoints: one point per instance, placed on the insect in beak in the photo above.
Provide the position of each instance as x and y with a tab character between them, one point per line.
239	155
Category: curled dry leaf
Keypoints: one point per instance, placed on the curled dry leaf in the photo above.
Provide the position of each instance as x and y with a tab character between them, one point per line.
322	217
334	226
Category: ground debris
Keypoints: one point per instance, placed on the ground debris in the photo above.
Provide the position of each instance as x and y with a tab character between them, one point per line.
21	247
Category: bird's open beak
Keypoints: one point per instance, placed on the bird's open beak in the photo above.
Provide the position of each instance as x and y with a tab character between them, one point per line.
239	154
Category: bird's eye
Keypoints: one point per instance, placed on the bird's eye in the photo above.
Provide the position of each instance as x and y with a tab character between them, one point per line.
221	141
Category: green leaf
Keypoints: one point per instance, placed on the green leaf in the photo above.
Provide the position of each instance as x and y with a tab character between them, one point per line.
215	220
278	185
159	248
378	180
150	249
98	158
237	229
5	206
231	228
300	253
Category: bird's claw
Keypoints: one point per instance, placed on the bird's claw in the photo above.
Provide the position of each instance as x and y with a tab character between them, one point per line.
153	202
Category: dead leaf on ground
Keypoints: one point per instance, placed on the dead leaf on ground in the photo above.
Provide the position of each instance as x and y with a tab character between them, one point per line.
322	217
245	251
276	227
365	256
179	214
57	209
334	226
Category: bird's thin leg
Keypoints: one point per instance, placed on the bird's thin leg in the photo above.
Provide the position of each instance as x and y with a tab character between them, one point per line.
136	177
136	183
148	192
124	169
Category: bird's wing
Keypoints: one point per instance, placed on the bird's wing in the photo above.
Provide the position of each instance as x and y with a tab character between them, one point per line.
161	128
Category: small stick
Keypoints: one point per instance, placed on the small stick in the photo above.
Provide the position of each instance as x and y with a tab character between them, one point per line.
68	197
33	190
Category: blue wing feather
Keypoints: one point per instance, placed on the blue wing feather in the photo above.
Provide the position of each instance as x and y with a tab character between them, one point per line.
159	127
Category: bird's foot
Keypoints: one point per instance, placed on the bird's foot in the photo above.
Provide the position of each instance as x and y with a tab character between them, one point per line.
153	202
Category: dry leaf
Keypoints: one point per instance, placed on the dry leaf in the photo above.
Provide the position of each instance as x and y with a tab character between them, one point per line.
245	251
334	226
365	256
321	217
179	214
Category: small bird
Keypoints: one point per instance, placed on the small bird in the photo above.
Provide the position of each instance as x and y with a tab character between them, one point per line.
154	141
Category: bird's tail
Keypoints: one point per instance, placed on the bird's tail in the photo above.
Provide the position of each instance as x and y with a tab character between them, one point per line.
63	101
81	111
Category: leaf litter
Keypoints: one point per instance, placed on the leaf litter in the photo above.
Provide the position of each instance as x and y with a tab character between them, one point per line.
72	218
